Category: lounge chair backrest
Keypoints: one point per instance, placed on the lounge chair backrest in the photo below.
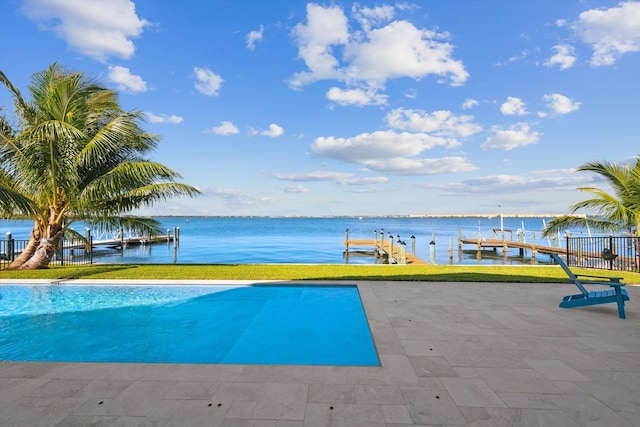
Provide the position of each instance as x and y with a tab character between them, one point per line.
572	277
564	266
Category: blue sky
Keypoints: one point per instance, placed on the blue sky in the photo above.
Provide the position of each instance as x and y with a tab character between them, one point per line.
356	108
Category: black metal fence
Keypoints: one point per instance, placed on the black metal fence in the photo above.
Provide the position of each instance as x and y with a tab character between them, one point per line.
609	252
70	252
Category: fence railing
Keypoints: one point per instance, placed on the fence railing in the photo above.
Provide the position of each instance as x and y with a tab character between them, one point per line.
606	252
70	252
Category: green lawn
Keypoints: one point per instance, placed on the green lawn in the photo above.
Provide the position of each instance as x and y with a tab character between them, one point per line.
444	273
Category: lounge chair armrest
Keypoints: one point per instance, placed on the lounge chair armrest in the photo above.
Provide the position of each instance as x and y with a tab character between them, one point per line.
597	282
611	279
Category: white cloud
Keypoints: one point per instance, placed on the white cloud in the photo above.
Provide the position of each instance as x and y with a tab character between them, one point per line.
325	28
422	166
411	93
402	50
374	55
98	29
521	55
343	178
125	80
564	57
164	118
513	107
560	104
225	128
208	83
379	145
516	136
610	32
542	180
390	152
357	97
368	17
366	180
273	132
238	198
469	103
254	36
439	123
317	176
297	188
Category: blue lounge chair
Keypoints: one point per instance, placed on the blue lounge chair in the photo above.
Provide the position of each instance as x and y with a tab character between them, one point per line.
585	298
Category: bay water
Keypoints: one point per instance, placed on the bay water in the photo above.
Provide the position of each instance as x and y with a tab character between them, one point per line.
314	240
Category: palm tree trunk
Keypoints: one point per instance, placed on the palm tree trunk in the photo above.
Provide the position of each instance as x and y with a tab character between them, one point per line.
39	249
29	250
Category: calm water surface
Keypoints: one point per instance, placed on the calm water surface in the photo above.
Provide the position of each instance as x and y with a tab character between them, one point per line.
205	240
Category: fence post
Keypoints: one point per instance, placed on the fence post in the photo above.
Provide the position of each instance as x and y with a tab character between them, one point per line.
89	244
613	251
9	247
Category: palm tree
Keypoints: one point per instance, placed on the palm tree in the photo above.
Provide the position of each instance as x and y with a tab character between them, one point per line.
610	212
75	155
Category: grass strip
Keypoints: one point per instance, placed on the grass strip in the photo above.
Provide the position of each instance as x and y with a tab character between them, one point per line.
432	273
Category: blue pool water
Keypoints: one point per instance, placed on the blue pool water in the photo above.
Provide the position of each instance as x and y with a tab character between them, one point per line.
297	325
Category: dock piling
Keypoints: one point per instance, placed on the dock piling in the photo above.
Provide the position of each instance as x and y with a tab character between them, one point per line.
432	250
387	252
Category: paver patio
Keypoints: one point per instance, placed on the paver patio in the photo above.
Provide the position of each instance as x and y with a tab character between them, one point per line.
452	354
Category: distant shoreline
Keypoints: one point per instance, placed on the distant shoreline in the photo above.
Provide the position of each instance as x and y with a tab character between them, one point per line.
494	215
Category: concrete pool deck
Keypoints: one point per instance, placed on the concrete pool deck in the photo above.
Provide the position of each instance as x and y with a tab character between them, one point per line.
452	354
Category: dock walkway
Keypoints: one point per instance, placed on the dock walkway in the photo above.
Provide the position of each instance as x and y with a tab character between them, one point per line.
511	244
395	254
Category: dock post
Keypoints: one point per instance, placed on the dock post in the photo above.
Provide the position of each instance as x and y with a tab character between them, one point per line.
533	248
390	248
375	243
432	250
168	236
505	247
450	250
413	245
404	252
346	240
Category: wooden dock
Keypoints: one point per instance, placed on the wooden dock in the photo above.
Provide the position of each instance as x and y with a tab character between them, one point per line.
533	247
396	254
511	244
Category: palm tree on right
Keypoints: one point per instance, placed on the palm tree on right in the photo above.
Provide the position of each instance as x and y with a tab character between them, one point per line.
615	212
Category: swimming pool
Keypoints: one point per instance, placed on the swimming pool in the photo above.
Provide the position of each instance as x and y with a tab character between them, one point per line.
258	324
